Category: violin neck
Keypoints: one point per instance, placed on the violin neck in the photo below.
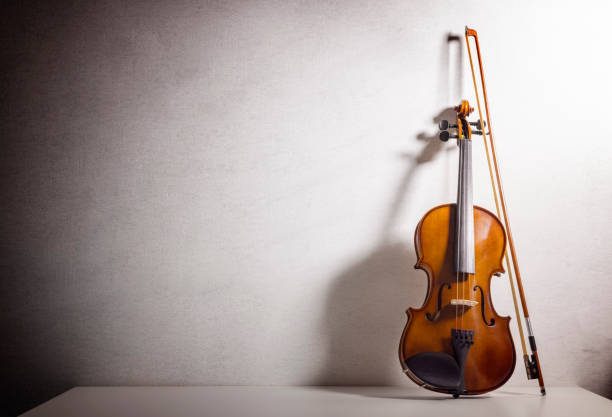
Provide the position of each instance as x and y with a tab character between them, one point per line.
464	232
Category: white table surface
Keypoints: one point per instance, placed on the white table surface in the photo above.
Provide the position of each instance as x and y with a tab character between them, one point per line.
319	401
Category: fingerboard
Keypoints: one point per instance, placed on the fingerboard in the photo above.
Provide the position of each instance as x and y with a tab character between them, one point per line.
464	236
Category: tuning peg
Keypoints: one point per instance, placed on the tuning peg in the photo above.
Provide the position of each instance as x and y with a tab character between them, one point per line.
477	124
478	132
444	125
445	136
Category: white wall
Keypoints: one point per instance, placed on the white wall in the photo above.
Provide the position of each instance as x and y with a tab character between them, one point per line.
227	193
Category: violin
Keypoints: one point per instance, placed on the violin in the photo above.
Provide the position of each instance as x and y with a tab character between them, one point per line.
456	343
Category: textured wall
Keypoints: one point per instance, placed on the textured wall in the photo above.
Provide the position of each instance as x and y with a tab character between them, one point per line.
226	192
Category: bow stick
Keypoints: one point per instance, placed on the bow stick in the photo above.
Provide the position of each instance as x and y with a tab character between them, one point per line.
532	365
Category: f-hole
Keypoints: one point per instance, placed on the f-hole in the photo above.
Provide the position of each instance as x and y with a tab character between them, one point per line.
482	307
437	313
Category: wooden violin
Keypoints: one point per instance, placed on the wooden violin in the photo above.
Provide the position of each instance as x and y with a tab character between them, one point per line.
456	343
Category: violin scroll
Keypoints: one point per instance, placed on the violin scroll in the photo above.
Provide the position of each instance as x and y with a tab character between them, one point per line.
462	125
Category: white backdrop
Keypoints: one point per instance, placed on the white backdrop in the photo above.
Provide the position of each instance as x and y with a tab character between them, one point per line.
226	193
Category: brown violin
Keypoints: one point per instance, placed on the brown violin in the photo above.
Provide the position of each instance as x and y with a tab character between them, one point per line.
456	343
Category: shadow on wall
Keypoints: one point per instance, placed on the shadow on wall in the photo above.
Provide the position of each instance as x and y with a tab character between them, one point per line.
366	300
363	316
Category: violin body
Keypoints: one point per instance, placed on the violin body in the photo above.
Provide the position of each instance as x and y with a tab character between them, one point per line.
492	356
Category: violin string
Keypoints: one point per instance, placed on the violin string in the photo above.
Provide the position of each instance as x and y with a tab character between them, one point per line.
463	203
457	307
462	298
473	249
457	249
469	283
463	171
465	145
466	276
458	231
457	280
470	276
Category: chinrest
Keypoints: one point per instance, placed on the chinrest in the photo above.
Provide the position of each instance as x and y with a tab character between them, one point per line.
441	370
437	369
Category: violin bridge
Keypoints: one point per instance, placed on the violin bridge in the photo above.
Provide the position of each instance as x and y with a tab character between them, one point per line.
462	302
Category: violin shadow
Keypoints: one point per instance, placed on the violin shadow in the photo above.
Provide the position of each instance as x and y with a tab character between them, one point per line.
441	397
385	392
364	312
365	307
364	317
396	393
